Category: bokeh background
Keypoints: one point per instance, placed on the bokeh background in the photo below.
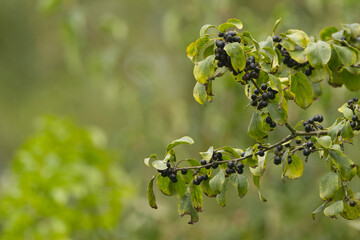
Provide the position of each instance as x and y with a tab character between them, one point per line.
90	88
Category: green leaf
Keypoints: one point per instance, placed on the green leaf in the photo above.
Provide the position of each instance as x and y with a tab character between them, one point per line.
276	25
319	74
302	89
345	54
178	188
150	193
256	127
159	164
217	182
204	29
235	51
208	51
194	49
318	53
299	37
231	23
334	209
220	198
163	184
183	140
231	151
299	55
326	33
347	112
346	132
278	111
261	164
248	35
351	77
334	62
200	94
329	186
188	177
296	168
241	184
207	189
196	197
324	141
256	180
352	29
351	213
147	160
208	154
204	70
343	164
186	207
319	209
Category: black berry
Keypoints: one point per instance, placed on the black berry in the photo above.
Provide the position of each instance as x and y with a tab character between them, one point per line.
196	181
273	124
354	118
297	141
203	162
309	144
253	97
230	164
307	128
352	203
306	152
205	177
220	44
263	86
183	171
277	160
268	120
173	177
355	99
289	159
353	124
279	148
261	153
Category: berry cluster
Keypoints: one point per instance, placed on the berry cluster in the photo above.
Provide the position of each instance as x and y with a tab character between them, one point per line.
200	178
309	147
220	54
355	119
269	121
252	69
239	168
261	101
310	124
279	154
292	63
169	173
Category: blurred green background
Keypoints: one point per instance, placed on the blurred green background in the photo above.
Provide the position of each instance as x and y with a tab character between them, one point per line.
116	76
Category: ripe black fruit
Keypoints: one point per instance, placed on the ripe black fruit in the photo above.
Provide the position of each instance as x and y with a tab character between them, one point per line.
268	120
173	177
277	160
251	59
276	38
307	137
220	64
196	181
309	144
311	120
321	118
265	96
316	118
252	66
228	171
306	152
254	103
353	124
279	148
246	77
289	159
350	102
308	72
214	156
183	171
254	74
256	91
203	162
205	177
354	118
261	153
253	97
230	164
262	104
263	86
307	128
215	165
221	34
237	39
273	124
240	170
240	165
297	141
355	99
220	44
219	156
352	203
